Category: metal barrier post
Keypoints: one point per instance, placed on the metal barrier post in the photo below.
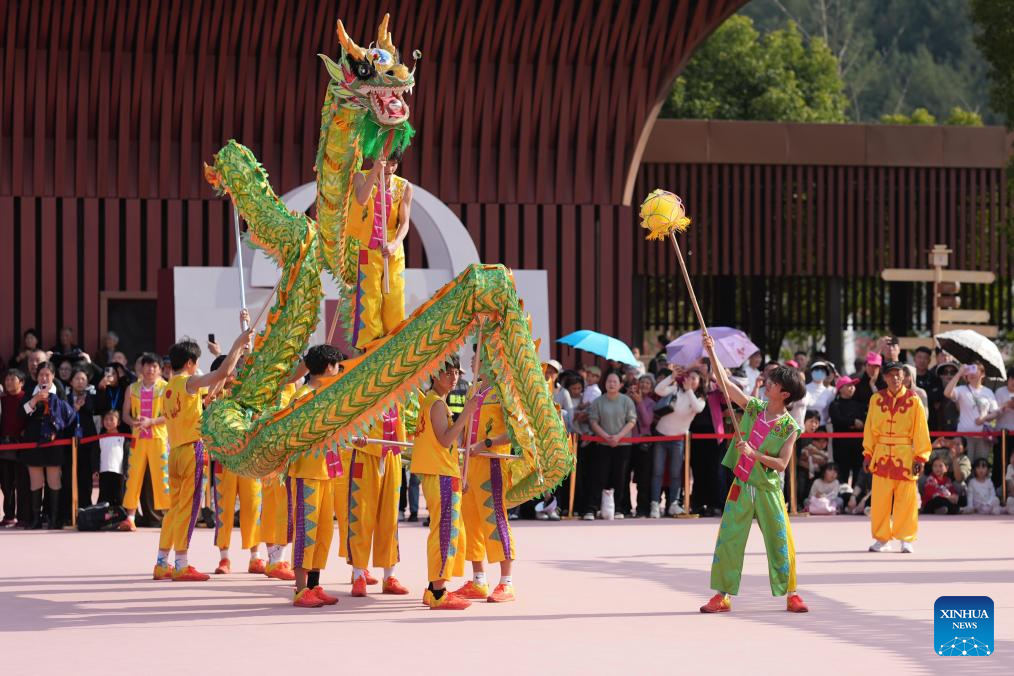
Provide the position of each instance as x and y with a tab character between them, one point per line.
73	482
573	478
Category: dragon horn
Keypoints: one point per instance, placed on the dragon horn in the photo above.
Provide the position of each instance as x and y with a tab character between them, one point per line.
384	36
350	47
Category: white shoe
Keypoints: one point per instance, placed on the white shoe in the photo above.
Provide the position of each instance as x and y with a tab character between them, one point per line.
541	516
608	505
907	548
588	517
619	515
675	509
653	511
553	515
879	546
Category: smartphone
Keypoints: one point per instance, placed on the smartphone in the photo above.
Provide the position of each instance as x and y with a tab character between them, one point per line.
211	337
971	368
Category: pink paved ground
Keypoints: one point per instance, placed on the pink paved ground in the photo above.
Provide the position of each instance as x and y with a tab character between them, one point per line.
599	597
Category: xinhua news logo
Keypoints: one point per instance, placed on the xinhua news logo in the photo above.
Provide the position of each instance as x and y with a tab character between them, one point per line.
963	626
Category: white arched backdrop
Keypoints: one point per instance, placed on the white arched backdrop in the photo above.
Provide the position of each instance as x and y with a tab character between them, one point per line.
207	299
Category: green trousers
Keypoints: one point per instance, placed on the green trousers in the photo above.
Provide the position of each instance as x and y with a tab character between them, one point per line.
743	504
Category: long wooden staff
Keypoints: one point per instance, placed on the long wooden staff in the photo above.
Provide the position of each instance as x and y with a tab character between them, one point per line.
473	424
383	211
704	332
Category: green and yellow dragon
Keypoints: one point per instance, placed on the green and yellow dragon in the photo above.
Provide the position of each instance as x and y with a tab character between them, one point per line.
249	431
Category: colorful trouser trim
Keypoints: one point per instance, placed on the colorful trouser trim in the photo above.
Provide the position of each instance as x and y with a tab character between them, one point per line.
445	544
152	454
484	515
225	486
370	511
743	504
894	509
378	313
186	477
313	519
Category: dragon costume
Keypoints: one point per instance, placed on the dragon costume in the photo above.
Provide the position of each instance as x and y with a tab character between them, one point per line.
249	431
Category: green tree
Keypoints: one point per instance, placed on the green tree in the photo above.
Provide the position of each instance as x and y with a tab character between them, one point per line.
737	75
995	21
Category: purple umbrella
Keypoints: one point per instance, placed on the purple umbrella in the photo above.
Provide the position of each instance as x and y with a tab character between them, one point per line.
732	347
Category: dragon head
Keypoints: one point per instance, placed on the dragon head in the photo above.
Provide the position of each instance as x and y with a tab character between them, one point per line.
373	78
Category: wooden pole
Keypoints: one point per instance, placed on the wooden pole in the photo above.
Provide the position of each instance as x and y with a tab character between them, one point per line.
73	482
716	364
573	481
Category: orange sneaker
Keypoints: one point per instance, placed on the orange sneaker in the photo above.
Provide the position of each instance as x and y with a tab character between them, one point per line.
162	573
127	526
795	604
280	571
324	596
719	603
256	567
503	593
427	597
359	586
470	590
224	567
448	602
190	574
306	598
392	586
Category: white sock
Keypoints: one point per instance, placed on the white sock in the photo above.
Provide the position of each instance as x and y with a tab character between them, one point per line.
357	573
388	572
181	560
254	553
505	579
130	517
275	553
479	578
162	559
223	553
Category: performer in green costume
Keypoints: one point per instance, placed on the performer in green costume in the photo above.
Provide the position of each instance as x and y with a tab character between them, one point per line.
770	437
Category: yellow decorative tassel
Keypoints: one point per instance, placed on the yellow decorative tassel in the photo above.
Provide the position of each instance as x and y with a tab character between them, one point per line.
662	213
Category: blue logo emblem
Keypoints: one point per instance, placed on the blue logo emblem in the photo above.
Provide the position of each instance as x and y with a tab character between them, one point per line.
963	626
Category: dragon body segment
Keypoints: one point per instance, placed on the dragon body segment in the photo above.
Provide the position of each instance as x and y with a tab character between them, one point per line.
248	431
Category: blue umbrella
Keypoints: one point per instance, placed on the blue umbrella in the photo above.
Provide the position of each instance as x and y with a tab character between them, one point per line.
600	344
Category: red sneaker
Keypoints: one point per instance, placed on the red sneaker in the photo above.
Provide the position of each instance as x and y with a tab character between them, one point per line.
471	590
256	567
280	571
795	604
359	586
306	598
190	574
127	525
448	602
324	596
504	593
370	580
719	603
392	586
224	567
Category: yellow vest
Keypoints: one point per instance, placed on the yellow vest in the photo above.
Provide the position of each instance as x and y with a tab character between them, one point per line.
311	464
360	224
182	412
428	455
158	432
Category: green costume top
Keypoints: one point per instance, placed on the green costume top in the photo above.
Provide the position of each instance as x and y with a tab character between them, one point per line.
762	477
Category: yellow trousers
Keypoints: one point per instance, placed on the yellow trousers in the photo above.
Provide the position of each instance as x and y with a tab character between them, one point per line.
446	542
276	519
371	487
378	313
341	502
225	486
484	513
148	453
313	522
186	477
894	509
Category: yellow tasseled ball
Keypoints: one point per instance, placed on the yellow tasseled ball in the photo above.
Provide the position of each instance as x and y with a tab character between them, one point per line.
663	213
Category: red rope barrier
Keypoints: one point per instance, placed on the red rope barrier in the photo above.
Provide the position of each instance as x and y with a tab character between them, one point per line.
812	435
62	442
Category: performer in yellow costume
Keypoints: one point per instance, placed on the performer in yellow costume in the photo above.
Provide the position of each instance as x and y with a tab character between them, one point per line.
182	407
896	445
311	474
372	487
376	312
225	486
142	410
484	512
276	518
435	460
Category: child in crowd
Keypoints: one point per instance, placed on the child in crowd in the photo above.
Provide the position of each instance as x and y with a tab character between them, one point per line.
858	502
824	492
939	495
981	493
112	451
